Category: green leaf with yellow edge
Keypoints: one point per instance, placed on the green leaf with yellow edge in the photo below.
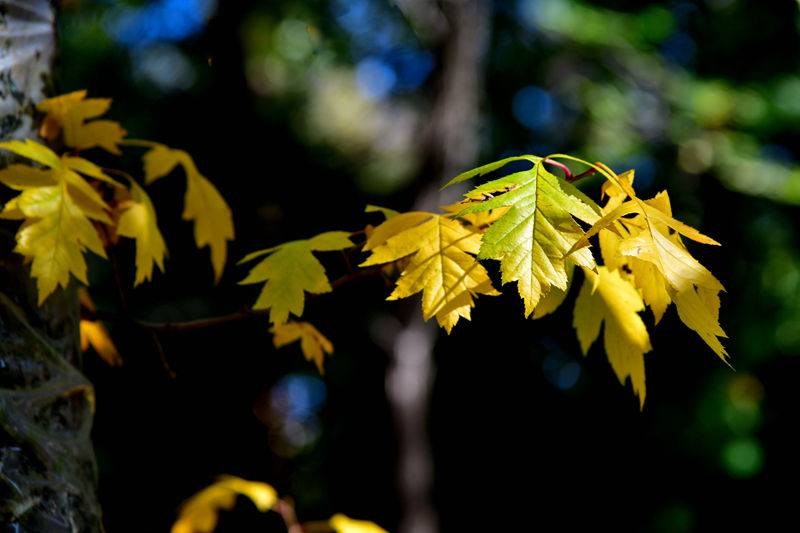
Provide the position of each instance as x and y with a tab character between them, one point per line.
554	297
343	524
200	513
490	167
68	114
213	221
532	238
606	297
138	221
313	344
441	266
290	271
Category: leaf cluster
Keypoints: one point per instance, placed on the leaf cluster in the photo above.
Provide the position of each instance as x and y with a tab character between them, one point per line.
531	222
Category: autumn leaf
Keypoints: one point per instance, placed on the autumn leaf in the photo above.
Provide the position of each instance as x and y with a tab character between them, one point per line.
56	205
343	524
213	221
289	271
138	221
199	514
313	343
663	270
698	308
441	265
532	238
385	211
94	334
606	297
554	297
68	114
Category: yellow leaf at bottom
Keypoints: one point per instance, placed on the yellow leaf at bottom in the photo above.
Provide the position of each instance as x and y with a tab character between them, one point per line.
605	296
343	524
199	514
313	343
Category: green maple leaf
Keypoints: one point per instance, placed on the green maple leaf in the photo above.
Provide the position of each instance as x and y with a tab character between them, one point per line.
533	237
290	271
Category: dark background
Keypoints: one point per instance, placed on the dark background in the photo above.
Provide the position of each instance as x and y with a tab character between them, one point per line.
303	111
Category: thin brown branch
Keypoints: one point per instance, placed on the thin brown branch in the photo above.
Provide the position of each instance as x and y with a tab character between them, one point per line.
218	320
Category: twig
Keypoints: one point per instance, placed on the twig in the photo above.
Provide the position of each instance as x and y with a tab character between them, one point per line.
582	175
218	320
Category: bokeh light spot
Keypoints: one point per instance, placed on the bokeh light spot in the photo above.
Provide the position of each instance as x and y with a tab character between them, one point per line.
743	457
375	78
533	107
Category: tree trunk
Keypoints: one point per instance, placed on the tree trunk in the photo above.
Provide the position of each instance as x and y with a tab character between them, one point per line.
47	467
458	33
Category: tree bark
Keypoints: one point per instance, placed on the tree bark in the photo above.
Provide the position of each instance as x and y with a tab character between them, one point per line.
47	467
458	32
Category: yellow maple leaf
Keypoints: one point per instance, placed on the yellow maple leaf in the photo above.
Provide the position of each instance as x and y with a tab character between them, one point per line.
441	266
200	513
649	244
138	221
56	205
606	297
313	343
68	113
94	334
290	270
213	220
343	524
698	308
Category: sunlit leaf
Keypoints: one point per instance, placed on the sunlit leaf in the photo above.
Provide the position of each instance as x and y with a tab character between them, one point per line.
68	114
342	524
313	343
606	298
649	246
698	308
290	270
554	297
138	221
57	205
213	221
532	238
385	211
200	513
441	266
